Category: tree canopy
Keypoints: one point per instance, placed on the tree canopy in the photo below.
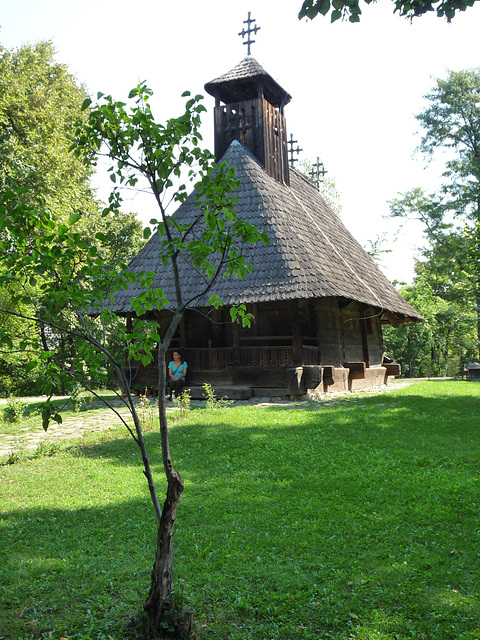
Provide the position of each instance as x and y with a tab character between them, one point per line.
40	107
451	216
351	9
40	103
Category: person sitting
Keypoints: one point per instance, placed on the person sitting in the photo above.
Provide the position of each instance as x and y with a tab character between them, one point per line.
177	370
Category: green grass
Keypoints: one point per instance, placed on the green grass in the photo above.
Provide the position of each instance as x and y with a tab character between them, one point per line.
349	520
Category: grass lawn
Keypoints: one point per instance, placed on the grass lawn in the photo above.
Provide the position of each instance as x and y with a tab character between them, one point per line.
354	519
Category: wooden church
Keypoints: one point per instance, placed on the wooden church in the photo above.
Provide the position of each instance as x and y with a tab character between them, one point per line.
318	299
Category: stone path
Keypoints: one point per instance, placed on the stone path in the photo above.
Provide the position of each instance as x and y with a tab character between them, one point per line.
82	424
30	439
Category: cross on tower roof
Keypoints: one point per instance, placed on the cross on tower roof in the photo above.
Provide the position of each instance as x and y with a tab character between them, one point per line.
318	170
246	32
291	151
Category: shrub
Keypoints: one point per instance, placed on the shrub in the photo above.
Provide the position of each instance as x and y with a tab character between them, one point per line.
15	410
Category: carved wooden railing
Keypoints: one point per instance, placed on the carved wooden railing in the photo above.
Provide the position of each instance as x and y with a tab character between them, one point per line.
218	358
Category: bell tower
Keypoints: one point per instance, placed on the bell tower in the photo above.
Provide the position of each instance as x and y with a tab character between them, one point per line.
249	106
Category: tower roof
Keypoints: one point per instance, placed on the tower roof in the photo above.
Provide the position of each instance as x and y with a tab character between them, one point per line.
241	83
311	254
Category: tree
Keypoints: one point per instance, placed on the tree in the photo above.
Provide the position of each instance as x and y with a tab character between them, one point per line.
42	254
439	345
40	104
407	8
451	217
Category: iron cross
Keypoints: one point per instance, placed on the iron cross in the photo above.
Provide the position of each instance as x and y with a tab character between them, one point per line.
246	32
318	170
291	151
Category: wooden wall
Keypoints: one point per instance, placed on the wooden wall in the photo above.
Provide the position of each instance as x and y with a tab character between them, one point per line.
261	128
329	333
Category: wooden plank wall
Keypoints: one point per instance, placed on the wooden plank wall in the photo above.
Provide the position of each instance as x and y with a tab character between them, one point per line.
261	128
276	156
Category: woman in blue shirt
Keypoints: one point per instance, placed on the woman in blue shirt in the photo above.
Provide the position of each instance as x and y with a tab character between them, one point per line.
177	370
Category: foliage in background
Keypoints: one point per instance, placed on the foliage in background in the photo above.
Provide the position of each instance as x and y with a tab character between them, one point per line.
441	344
327	187
40	103
449	269
40	107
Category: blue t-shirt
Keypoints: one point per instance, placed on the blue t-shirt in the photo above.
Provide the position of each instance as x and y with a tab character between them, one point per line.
178	371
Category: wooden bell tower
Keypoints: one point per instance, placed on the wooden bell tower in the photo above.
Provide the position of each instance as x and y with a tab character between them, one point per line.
249	106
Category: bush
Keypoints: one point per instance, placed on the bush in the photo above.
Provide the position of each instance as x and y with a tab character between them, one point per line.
15	410
16	379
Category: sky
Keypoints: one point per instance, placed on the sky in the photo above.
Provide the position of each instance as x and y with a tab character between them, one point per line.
355	87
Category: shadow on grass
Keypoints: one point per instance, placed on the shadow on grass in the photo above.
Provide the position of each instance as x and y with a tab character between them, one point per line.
358	517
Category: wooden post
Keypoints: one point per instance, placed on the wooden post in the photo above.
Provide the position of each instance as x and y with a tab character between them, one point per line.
363	329
297	343
236	344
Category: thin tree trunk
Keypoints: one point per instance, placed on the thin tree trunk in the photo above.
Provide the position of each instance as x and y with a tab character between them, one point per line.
164	616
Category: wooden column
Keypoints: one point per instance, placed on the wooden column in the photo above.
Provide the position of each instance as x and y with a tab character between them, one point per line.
363	329
236	344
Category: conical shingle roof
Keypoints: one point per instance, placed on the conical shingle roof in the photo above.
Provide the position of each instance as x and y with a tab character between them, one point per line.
311	254
241	83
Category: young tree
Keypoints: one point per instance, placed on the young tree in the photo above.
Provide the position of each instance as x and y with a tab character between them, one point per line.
71	274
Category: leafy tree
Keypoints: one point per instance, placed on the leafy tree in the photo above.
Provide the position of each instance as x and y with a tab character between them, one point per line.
40	105
451	217
41	254
375	248
407	8
439	345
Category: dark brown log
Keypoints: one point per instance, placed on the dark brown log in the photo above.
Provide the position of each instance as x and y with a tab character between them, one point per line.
355	367
393	368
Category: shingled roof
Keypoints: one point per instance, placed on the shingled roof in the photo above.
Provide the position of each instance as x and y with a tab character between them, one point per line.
241	83
311	254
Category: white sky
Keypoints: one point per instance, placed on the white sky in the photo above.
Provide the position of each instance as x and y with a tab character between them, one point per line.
355	87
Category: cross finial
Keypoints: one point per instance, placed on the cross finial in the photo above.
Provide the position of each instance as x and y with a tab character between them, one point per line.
291	151
318	170
246	32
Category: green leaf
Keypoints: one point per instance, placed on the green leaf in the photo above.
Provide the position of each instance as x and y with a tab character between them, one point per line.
265	238
74	218
86	103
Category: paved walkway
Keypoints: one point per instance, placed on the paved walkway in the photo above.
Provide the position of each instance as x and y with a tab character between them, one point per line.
29	438
83	423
